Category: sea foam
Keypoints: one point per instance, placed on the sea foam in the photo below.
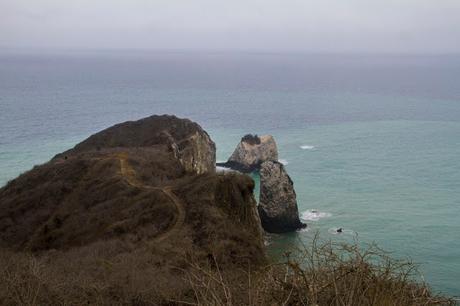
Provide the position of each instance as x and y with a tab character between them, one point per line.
307	147
303	230
314	215
283	161
223	169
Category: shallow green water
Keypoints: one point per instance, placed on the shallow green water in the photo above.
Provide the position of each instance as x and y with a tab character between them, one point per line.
393	182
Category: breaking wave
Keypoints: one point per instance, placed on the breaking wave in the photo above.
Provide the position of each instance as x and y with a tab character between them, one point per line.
223	169
283	161
314	215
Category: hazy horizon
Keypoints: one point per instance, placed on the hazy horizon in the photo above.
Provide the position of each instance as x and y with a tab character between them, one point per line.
271	26
5	50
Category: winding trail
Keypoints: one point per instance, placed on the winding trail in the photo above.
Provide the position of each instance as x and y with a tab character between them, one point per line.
130	176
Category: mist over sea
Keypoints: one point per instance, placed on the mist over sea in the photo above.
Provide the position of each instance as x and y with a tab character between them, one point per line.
372	142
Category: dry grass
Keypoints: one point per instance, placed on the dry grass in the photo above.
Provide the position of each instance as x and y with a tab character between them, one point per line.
322	273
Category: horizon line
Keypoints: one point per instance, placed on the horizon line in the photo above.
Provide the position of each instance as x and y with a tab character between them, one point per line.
61	50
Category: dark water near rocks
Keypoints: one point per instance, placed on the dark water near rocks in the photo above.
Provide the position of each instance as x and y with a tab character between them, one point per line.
371	142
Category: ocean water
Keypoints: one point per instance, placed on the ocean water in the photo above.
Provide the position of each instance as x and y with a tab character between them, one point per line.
372	143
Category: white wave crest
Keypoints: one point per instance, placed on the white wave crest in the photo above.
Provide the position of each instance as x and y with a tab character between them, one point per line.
314	215
303	230
283	161
307	147
223	169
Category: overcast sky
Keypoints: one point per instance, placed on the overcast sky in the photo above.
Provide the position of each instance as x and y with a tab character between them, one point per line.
413	26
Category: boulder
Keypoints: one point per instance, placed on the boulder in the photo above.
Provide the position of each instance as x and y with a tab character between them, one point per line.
278	204
251	152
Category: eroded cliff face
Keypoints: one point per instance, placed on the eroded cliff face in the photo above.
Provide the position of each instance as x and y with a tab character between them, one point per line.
197	153
278	203
251	152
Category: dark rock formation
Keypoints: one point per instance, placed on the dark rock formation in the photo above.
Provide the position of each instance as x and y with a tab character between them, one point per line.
190	144
251	152
278	204
135	185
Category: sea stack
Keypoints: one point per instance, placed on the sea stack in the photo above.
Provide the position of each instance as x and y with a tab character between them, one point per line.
278	204
251	152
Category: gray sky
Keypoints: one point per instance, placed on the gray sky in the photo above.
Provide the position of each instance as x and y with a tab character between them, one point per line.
413	26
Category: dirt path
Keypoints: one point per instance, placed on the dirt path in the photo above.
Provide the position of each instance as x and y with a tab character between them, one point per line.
130	175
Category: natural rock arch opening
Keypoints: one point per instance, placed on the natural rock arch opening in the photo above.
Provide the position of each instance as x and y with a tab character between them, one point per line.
277	207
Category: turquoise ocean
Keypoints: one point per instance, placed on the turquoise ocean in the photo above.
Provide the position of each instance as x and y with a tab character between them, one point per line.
372	142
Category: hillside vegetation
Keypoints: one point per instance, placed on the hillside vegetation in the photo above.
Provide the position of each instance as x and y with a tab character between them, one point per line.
136	215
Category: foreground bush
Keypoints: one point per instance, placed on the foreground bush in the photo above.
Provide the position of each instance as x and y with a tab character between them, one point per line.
319	274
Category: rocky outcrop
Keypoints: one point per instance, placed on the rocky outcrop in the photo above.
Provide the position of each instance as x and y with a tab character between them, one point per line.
251	152
197	153
189	143
136	184
278	204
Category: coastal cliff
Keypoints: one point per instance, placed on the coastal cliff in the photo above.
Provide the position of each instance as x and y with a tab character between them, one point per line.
150	181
